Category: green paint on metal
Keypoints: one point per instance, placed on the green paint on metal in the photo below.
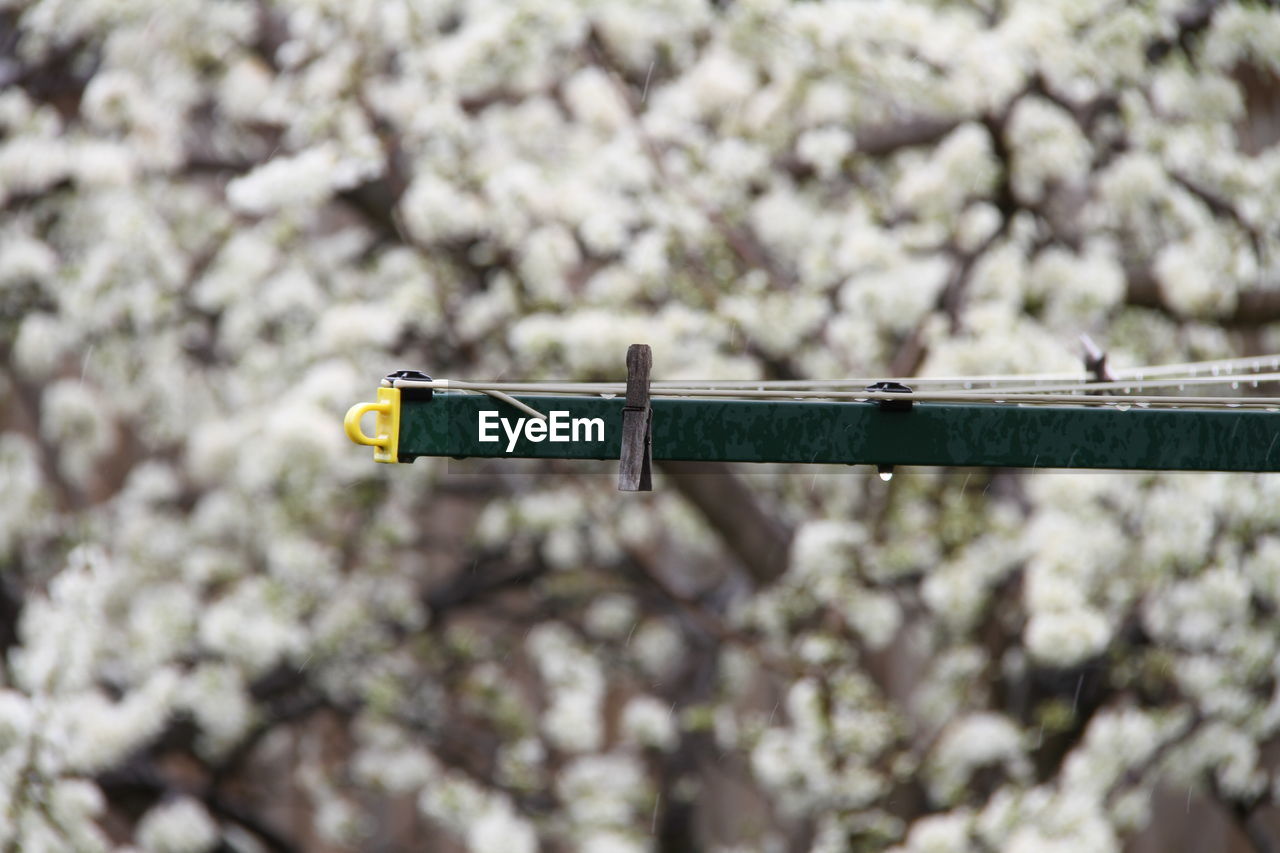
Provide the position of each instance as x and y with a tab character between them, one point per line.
948	434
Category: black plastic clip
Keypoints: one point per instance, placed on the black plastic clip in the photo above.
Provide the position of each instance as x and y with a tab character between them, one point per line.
635	460
1095	361
409	394
892	388
885	470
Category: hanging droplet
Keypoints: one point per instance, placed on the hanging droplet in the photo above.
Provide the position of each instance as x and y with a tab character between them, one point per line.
608	396
885	472
1122	407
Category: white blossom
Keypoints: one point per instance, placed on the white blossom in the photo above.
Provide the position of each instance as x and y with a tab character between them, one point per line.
499	830
244	89
434	209
31	165
248	628
876	616
649	722
825	149
658	648
595	100
611	616
298	180
99	731
17	718
573	720
962	167
42	342
973	742
1243	31
823	549
1048	146
946	833
179	826
217	697
1068	636
1113	743
452	801
1191	274
23	258
613	842
603	790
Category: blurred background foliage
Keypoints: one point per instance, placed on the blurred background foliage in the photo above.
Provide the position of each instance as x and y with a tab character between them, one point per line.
225	628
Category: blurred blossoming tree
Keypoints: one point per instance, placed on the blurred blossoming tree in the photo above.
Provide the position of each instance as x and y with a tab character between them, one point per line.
224	627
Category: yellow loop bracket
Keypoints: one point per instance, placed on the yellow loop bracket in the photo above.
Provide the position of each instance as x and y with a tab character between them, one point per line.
386	441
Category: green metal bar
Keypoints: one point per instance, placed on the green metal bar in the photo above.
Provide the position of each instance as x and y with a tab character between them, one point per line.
995	435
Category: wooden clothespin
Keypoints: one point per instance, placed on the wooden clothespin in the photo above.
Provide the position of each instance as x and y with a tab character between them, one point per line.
635	462
1095	361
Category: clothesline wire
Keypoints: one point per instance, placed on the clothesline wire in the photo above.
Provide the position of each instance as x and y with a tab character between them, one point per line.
1126	385
1193	368
500	390
1077	390
1203	369
859	384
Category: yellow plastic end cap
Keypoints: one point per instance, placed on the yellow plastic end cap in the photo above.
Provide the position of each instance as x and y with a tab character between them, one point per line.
386	439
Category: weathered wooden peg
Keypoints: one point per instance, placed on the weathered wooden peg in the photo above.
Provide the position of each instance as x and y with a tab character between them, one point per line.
635	461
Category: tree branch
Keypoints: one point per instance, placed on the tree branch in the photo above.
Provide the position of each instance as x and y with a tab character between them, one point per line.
878	140
145	785
757	538
1190	22
478	582
1253	307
